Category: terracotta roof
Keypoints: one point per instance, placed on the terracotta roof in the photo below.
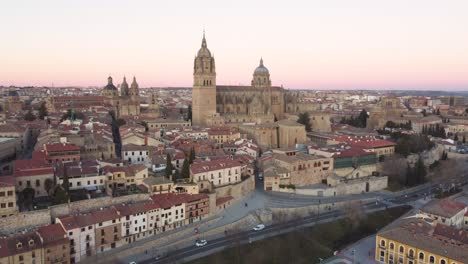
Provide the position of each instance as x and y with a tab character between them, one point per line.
445	207
53	235
59	147
9	246
7	181
31	168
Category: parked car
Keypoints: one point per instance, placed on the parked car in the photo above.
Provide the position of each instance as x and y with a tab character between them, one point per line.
259	227
201	243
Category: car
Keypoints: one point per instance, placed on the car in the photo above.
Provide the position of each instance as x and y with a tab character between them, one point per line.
132	262
259	227
201	243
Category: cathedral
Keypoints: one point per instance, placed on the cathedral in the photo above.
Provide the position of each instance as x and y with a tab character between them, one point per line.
127	103
233	105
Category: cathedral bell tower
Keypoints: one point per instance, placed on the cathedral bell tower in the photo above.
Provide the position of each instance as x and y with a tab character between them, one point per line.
204	86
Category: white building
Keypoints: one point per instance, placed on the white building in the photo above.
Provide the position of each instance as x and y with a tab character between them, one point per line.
217	172
135	154
446	211
134	221
80	230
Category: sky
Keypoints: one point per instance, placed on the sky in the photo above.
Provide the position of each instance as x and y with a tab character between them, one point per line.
310	44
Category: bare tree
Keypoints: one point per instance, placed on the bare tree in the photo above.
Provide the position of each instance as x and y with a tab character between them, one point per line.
354	212
395	168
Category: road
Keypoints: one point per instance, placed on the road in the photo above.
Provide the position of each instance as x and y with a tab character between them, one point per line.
189	251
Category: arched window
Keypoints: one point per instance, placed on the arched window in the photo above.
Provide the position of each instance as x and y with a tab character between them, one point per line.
431	259
401	249
421	256
411	253
392	246
382	243
442	261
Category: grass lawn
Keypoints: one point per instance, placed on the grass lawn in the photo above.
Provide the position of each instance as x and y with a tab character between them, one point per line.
305	245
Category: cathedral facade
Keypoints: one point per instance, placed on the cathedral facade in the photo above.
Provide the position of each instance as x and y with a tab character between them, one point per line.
214	104
126	102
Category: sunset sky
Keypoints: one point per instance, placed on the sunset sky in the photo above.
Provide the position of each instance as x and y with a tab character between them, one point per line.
314	44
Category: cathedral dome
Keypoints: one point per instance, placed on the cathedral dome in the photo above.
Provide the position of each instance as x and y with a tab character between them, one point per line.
204	51
110	85
262	70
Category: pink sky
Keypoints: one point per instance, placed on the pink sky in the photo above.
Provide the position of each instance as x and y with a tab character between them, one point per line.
333	44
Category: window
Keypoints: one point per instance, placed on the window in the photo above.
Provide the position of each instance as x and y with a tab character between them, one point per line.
421	256
401	249
382	243
432	259
392	246
442	261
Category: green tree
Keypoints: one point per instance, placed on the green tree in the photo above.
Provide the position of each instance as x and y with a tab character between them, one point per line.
192	155
120	122
48	185
186	169
29	116
43	111
169	167
304	119
420	171
189	112
362	118
145	124
60	195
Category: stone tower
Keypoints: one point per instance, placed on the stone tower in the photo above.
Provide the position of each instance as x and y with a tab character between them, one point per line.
204	86
134	90
124	88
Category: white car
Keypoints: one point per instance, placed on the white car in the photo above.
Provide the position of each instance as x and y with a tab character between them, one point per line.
259	227
201	243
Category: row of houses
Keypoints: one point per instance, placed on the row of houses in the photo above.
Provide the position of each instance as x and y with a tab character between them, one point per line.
73	238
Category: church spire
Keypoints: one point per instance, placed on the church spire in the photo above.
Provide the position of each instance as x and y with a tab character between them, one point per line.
261	61
204	40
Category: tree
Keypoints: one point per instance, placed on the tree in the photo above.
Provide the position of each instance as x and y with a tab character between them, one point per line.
29	116
28	197
455	138
43	111
189	113
464	139
420	171
145	124
186	169
424	112
66	183
304	119
192	155
48	185
409	177
169	167
60	195
438	111
362	118
120	122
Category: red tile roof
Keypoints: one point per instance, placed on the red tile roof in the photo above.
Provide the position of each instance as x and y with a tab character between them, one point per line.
7	181
223	200
59	147
53	235
32	168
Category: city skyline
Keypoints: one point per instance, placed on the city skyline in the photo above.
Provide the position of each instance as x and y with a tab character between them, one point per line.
305	45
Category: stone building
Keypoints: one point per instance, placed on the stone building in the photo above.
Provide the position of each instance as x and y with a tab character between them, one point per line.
12	102
7	196
388	109
127	101
214	104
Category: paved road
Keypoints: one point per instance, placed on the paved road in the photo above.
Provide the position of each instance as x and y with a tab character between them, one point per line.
260	199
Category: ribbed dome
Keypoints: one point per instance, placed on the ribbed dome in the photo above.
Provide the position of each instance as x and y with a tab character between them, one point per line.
204	51
261	69
110	85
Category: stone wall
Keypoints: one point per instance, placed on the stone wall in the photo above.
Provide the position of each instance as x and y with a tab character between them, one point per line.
428	157
94	204
22	221
237	191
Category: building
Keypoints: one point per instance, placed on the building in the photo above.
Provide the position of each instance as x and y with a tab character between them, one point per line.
108	229
162	123
60	152
221	135
33	174
281	134
304	169
213	104
217	172
124	103
21	248
135	154
133	218
416	241
81	232
348	161
446	211
82	175
55	244
7	196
